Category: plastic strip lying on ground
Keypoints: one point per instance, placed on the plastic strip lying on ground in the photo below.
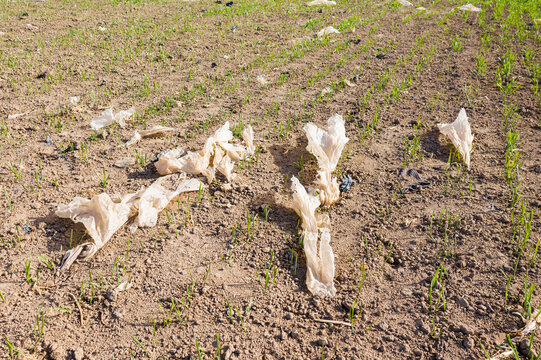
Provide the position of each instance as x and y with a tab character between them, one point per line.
321	2
138	135
459	132
327	147
327	31
217	148
469	7
103	216
107	117
320	264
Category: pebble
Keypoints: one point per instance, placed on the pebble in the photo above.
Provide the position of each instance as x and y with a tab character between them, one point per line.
78	354
462	302
421	326
323	342
468	342
294	334
466	329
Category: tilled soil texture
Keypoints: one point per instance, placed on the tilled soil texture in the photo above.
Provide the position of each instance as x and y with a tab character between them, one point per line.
438	273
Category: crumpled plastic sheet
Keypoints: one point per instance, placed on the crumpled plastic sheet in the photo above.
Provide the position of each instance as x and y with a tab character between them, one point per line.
319	262
107	117
321	2
152	200
469	7
459	132
102	216
327	147
262	80
217	148
327	31
141	134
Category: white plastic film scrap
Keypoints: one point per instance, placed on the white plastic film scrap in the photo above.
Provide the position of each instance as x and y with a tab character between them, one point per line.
141	134
459	132
321	2
156	197
404	2
218	154
327	147
248	137
327	31
101	217
319	262
107	117
469	7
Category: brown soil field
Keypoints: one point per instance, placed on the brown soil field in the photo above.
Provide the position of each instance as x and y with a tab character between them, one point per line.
448	271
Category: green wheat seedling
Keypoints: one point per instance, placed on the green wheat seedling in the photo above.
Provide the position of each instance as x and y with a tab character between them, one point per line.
141	346
12	351
38	330
141	159
27	270
17	172
199	351
436	294
2	297
8	199
229	310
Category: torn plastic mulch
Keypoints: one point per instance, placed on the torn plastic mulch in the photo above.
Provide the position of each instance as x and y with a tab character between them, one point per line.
102	216
459	132
327	31
107	117
319	261
327	147
141	134
218	154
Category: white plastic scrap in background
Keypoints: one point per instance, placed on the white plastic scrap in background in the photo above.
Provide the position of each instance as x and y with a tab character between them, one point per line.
327	147
327	31
107	117
404	3
319	262
469	7
321	2
459	132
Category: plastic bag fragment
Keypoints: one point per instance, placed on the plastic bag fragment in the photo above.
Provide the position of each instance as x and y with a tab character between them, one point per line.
327	147
459	132
262	80
217	148
138	135
156	197
107	117
469	7
321	2
101	218
319	262
327	31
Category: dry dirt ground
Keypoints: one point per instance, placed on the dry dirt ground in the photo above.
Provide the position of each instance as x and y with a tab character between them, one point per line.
430	274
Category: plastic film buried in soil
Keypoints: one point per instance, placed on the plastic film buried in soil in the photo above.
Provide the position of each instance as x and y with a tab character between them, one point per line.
459	132
327	147
218	149
319	263
102	216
